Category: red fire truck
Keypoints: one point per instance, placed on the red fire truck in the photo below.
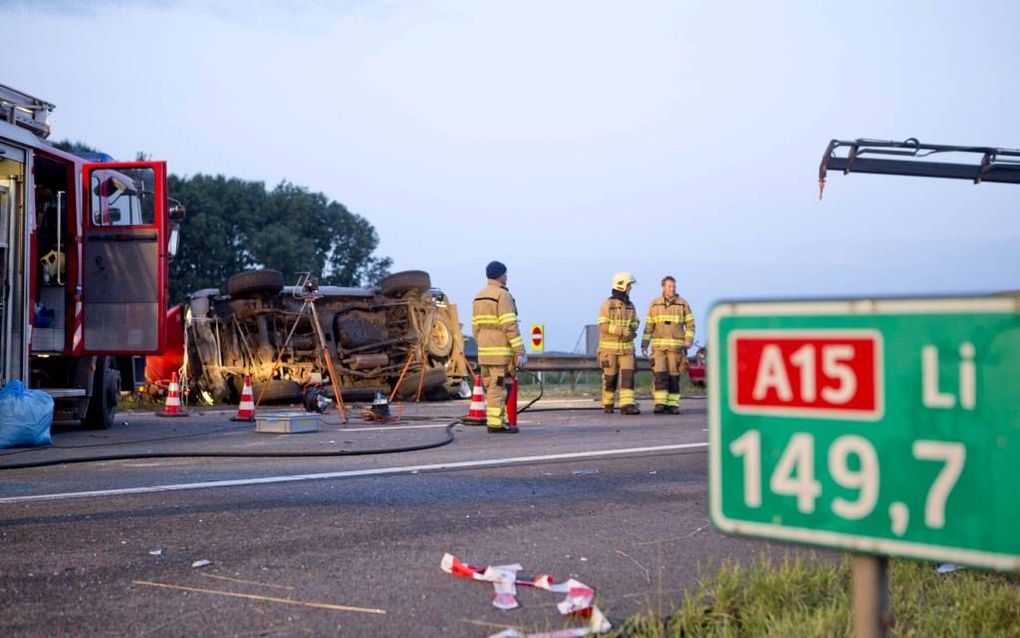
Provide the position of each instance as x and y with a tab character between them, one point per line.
84	247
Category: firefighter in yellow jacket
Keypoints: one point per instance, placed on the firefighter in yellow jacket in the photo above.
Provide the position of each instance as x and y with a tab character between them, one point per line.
500	346
669	328
618	324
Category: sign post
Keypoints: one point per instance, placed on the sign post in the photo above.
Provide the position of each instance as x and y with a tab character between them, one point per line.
872	616
880	427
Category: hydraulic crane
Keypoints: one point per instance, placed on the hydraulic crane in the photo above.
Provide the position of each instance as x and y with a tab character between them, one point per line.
914	158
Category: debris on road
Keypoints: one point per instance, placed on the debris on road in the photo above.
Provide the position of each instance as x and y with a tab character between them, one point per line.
156	552
202	563
258	598
578	601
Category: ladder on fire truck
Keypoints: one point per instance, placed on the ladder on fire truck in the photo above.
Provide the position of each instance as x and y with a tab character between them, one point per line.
26	111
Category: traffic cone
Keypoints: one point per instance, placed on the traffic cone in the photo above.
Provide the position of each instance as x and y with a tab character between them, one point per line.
172	406
246	410
476	413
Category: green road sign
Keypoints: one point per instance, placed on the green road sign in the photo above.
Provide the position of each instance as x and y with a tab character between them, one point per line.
876	426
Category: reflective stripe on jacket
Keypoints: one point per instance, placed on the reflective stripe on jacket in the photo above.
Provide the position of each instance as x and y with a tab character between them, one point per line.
669	325
494	325
618	324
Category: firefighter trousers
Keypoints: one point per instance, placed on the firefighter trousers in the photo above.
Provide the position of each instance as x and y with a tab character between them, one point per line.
667	366
495	379
617	375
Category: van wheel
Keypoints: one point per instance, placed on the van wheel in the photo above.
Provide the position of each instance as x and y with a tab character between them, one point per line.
279	390
105	397
409	280
255	282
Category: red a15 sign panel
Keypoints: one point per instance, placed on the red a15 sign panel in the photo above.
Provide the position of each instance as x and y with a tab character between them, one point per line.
807	373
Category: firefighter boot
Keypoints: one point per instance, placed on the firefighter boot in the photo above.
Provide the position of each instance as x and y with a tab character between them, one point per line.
673	398
659	408
630	409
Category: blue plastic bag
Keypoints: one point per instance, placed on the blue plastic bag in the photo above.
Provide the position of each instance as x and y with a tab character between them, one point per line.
25	416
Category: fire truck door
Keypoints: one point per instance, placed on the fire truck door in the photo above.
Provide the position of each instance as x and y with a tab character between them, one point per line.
124	287
14	324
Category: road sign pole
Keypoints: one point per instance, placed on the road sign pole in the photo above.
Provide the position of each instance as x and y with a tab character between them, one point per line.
872	616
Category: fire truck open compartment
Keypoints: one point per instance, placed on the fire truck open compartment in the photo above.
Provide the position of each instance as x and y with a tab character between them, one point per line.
54	178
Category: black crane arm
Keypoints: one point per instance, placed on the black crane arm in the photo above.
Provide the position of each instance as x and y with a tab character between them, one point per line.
912	157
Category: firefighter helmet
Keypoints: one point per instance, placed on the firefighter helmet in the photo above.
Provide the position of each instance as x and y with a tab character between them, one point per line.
623	279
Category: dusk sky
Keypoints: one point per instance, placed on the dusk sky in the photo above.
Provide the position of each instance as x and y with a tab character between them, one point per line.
570	139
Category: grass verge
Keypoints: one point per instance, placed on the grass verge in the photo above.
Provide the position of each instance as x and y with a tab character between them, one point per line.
810	596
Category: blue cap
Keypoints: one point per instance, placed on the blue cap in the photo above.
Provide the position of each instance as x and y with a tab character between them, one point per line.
495	270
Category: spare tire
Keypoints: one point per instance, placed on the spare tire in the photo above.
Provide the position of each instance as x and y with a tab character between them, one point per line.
255	282
278	390
402	282
440	342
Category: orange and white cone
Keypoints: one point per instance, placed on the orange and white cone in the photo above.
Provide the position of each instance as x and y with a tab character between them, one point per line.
172	406
476	413
246	410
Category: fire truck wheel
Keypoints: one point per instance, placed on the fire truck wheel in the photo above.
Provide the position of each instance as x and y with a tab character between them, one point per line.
278	390
255	282
441	339
105	396
401	282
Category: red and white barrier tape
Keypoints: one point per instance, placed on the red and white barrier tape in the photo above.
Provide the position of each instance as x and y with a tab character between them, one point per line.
578	601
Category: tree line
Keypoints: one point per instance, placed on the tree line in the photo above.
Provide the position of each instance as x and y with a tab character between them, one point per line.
234	225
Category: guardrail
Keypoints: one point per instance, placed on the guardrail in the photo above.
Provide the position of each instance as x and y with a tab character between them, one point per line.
572	363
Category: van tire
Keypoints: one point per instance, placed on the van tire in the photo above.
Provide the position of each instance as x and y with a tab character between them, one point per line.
255	282
402	282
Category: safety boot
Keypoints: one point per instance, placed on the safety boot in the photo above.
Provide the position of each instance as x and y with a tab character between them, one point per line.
630	409
659	408
506	429
673	409
607	409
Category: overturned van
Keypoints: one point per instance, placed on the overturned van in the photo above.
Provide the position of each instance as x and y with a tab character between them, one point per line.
402	334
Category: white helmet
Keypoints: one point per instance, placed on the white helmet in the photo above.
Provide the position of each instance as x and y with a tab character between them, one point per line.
623	279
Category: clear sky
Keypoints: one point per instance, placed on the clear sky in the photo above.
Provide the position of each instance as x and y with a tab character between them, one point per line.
570	139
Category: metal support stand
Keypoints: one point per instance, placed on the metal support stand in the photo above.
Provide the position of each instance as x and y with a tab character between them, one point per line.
334	379
872	615
310	288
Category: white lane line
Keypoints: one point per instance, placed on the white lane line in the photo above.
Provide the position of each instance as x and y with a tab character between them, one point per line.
265	480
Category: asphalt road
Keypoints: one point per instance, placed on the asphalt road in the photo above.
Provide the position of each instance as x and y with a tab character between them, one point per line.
351	545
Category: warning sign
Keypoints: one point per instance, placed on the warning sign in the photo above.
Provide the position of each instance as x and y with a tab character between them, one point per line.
538	338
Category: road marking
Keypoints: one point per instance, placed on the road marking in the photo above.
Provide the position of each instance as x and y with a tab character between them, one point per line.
405	469
270	599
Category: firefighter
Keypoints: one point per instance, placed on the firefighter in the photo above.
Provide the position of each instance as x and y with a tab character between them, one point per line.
618	324
669	328
500	346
